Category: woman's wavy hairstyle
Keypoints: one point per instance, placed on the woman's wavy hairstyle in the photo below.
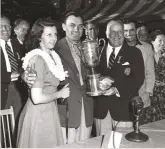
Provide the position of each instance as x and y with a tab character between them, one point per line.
155	33
34	36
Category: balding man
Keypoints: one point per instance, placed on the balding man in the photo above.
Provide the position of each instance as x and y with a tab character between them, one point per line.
10	71
142	34
125	65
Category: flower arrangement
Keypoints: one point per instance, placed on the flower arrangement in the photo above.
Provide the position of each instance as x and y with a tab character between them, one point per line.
54	65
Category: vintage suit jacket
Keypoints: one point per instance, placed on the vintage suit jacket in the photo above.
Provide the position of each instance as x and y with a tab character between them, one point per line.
148	58
77	92
6	76
127	84
20	53
5	81
20	49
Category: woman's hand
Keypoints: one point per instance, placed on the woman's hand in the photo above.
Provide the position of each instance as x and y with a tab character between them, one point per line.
65	91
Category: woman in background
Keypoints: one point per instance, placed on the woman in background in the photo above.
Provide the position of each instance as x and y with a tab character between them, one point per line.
39	124
157	109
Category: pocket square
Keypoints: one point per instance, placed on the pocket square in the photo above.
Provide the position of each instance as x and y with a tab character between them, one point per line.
126	63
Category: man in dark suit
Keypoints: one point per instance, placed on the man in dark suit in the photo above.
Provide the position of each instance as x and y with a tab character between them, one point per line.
125	65
80	116
10	71
21	28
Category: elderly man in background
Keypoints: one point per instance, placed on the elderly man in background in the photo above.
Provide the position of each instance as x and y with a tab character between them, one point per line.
142	34
130	35
10	70
125	65
92	30
21	28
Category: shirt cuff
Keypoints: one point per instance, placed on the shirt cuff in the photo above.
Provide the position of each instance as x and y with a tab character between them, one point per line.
117	92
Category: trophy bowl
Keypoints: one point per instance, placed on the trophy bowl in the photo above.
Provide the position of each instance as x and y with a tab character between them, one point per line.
90	54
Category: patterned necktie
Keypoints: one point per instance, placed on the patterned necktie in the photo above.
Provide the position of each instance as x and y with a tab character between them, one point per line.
12	59
111	59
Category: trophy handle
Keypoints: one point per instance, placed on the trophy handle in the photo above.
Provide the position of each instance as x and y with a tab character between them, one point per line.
102	39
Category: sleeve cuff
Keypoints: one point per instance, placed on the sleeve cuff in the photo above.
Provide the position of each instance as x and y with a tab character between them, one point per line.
117	92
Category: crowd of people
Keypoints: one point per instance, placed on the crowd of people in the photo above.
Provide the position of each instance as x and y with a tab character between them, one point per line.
44	79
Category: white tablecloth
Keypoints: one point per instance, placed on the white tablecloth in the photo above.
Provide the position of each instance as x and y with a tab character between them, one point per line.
155	132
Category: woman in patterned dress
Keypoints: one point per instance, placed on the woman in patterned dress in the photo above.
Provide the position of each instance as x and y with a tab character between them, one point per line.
157	109
39	124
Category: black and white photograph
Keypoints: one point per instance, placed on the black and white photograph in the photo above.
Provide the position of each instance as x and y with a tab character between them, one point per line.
82	74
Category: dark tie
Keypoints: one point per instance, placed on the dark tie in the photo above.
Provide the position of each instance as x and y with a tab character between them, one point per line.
111	59
12	59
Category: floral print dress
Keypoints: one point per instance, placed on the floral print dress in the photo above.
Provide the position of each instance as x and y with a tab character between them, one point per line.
157	109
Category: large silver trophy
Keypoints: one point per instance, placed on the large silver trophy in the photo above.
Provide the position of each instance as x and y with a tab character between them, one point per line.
90	53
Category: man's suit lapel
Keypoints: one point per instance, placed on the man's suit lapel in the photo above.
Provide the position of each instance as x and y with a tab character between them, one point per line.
67	57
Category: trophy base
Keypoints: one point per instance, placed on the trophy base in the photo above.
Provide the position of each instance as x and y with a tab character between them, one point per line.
98	93
137	137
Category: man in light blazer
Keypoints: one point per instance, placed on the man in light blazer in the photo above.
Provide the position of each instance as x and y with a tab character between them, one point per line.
130	34
80	106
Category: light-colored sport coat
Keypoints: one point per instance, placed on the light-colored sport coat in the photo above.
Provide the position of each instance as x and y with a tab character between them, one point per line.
148	58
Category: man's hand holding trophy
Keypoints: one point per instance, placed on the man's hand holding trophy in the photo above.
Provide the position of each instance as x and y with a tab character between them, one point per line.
105	84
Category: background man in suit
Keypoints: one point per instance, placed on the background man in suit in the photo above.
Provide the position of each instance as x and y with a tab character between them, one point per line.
92	30
125	65
21	28
9	69
130	35
80	116
142	34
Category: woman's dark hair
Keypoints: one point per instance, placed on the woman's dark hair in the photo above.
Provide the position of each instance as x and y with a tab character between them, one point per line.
155	33
34	36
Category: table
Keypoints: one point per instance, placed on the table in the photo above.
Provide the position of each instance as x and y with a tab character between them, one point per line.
155	132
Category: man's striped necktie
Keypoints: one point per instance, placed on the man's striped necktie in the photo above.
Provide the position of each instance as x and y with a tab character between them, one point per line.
111	59
12	59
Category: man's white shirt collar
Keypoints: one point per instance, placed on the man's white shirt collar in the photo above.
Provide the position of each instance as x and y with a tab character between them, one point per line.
20	41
